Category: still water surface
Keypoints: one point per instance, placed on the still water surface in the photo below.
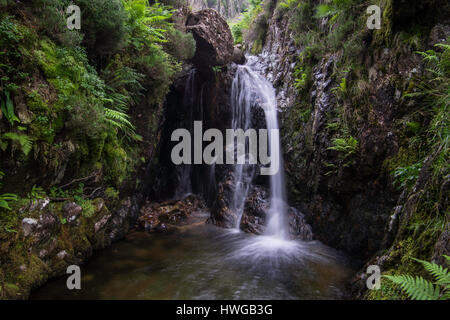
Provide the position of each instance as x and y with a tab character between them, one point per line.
206	262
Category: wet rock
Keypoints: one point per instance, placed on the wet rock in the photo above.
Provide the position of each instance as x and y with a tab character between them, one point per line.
442	247
28	226
221	213
159	217
298	227
71	211
439	34
238	56
101	223
62	254
255	210
38	205
214	42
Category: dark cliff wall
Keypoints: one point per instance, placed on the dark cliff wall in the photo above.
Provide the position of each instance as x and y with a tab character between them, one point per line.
349	98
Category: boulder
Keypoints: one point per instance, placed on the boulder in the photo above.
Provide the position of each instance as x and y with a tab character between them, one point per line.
238	56
214	42
71	211
28	226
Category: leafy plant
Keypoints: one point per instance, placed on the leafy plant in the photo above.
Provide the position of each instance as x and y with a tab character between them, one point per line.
333	9
346	146
6	197
36	193
434	91
245	23
417	288
406	176
7	108
86	205
21	141
216	69
120	120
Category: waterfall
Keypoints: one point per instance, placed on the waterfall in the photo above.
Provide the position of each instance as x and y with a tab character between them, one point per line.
249	89
184	171
242	100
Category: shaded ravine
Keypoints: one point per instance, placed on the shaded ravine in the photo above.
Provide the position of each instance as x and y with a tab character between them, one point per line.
201	261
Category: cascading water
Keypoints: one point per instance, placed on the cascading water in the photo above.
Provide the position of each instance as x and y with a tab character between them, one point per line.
184	171
251	89
201	261
242	100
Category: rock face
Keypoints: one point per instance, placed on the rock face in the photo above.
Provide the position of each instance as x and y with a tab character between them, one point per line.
352	205
52	237
213	38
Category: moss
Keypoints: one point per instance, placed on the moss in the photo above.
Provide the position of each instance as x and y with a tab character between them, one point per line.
36	103
383	36
116	160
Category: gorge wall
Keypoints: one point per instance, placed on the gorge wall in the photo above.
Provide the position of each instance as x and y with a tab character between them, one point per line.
346	112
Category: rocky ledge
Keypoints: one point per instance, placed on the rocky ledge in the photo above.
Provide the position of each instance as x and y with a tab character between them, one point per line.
164	216
54	235
213	38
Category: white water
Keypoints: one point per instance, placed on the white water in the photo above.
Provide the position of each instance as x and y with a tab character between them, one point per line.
249	89
242	98
184	171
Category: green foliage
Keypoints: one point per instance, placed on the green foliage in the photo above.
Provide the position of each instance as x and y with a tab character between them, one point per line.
247	21
112	193
434	92
302	76
5	198
342	87
147	23
18	141
179	44
103	25
417	288
405	177
7	108
333	10
53	22
216	69
120	120
346	146
76	113
36	193
86	205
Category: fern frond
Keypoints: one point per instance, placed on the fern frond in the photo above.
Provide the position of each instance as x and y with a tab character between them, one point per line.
121	121
416	288
440	273
22	140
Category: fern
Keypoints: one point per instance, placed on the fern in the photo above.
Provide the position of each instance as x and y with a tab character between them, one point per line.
120	120
7	108
347	146
6	197
441	274
18	140
417	288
